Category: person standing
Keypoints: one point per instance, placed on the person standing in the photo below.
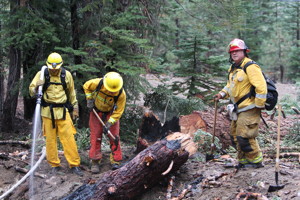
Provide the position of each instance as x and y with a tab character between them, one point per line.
107	98
244	112
58	101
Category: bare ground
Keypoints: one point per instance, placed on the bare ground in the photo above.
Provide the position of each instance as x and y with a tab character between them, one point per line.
204	180
208	180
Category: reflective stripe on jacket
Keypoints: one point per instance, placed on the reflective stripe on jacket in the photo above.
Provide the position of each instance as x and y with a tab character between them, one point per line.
239	84
104	100
55	94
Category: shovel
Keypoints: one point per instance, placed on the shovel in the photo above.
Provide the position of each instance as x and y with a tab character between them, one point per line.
273	188
211	155
115	139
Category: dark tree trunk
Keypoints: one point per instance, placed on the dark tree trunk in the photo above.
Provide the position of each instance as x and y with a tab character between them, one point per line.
84	115
12	93
11	100
29	103
141	173
83	112
281	68
1	90
2	94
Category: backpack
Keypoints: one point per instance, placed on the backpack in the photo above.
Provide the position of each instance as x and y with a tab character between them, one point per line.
272	94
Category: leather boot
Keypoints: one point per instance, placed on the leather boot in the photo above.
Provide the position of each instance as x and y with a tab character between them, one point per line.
95	168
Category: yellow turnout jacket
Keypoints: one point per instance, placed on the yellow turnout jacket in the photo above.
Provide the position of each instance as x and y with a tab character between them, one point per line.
239	84
55	94
104	99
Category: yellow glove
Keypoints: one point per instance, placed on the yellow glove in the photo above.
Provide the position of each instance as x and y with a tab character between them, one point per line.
75	113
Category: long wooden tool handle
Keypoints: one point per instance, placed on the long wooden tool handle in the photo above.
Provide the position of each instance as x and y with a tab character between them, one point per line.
214	128
278	139
100	120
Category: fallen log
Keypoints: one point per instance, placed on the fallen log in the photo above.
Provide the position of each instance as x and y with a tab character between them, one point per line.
141	173
25	144
23	170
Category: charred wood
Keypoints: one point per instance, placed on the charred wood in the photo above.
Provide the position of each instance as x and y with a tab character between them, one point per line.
152	130
141	173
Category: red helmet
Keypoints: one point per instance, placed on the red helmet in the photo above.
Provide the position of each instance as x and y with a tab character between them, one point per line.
237	44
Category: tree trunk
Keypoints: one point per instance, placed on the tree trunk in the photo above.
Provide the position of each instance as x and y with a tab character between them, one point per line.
12	93
11	100
84	114
2	92
29	103
142	172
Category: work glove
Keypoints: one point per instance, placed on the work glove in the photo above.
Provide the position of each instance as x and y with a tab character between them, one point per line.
75	113
90	103
217	97
106	128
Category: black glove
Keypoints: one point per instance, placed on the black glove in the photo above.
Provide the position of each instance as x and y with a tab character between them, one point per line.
217	97
90	104
106	127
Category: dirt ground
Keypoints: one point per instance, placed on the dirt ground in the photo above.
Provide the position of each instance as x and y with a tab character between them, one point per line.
208	180
203	180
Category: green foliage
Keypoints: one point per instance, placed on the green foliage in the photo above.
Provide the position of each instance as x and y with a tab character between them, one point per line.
287	102
83	138
293	138
204	140
162	101
130	123
186	39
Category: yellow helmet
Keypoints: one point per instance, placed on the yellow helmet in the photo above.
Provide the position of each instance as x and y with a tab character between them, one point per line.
54	61
113	81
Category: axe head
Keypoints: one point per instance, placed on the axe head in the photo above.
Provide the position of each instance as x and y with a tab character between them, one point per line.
273	188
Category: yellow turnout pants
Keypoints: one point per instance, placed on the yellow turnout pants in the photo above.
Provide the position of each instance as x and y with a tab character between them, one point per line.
64	130
243	134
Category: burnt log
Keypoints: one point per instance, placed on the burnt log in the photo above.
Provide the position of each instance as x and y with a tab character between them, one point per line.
143	172
152	130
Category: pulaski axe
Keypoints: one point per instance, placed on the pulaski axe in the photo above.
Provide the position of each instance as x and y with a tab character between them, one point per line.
115	139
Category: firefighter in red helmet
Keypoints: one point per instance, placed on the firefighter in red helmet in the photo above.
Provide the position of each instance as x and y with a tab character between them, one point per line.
244	74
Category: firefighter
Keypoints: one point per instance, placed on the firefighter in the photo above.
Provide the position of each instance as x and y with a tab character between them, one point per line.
245	114
58	100
107	98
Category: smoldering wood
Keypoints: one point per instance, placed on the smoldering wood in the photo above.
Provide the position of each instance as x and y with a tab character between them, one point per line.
141	173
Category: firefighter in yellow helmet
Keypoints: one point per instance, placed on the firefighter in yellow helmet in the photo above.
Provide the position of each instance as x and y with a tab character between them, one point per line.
244	109
108	98
58	101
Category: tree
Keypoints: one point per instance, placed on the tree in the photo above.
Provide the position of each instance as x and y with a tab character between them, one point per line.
11	99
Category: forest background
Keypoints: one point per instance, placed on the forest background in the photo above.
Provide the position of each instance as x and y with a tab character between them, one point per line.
181	39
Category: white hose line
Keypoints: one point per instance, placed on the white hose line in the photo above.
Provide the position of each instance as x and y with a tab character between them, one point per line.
28	173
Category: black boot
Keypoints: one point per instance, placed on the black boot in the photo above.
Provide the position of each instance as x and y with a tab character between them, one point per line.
54	170
77	171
